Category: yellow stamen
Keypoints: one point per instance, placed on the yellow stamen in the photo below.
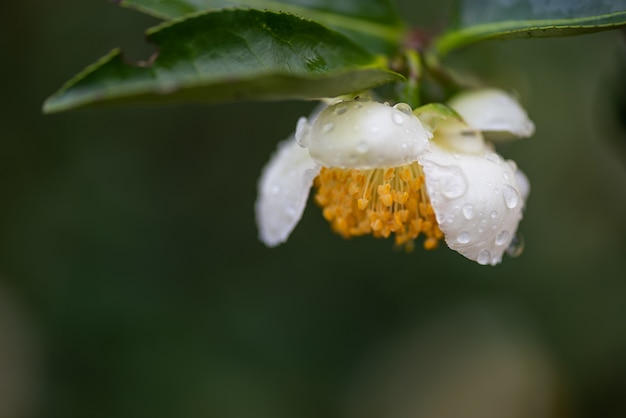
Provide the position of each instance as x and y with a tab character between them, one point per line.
378	202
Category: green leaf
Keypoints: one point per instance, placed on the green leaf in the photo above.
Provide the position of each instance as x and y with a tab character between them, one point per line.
374	24
478	20
229	55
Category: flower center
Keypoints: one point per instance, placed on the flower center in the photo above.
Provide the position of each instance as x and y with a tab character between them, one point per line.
378	202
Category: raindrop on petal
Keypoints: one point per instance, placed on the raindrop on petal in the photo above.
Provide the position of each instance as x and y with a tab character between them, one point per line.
493	157
290	211
483	257
502	237
397	118
516	247
302	132
454	184
468	211
404	108
482	226
328	127
511	196
362	147
464	237
340	109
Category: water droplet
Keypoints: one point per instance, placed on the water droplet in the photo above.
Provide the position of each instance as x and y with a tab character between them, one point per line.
505	175
516	247
464	237
328	127
511	197
457	156
404	108
453	184
404	145
493	214
397	118
341	109
482	226
362	147
387	104
483	257
302	132
468	211
493	157
375	129
290	211
502	237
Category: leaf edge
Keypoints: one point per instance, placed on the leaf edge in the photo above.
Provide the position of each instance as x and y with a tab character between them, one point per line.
509	29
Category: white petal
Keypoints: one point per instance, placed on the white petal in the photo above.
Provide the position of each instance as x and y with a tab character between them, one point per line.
283	191
493	111
365	135
523	183
477	200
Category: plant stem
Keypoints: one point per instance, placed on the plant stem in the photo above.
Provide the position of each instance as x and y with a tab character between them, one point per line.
410	90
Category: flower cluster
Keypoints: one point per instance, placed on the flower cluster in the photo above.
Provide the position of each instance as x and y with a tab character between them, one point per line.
386	170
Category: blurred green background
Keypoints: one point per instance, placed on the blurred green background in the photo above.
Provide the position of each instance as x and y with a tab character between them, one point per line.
132	283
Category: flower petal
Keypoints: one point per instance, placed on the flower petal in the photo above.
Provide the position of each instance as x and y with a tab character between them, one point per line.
477	199
283	191
365	134
493	111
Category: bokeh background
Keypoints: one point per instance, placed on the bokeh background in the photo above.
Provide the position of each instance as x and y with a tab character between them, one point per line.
132	283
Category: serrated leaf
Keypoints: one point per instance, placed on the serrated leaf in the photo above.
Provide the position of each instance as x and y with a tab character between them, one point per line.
229	55
478	20
373	24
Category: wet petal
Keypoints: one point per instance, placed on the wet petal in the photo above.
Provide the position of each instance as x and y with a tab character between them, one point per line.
523	183
283	191
365	134
477	199
494	112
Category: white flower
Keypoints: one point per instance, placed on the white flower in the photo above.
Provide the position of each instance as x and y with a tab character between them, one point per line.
493	112
382	170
